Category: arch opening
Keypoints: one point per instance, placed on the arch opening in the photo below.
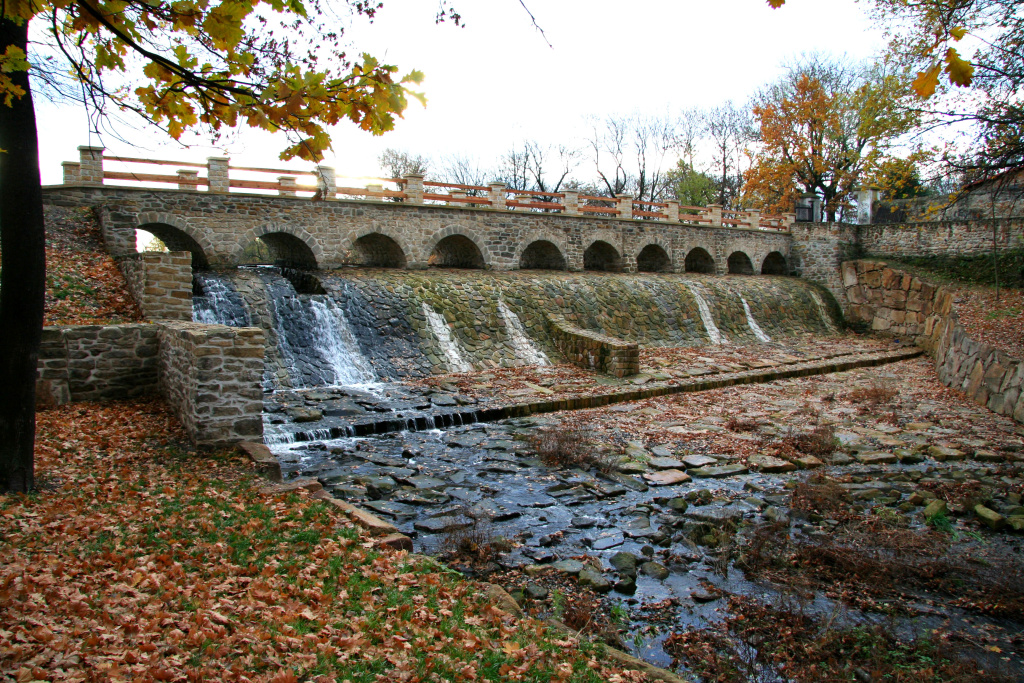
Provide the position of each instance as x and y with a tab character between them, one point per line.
379	251
279	249
739	264
542	255
699	261
602	256
456	251
774	264
653	259
163	237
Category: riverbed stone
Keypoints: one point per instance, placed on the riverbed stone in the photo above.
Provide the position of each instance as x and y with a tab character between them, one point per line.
666	463
624	563
421	481
990	518
303	414
655	570
436	525
936	507
945	453
693	461
569	566
876	458
666	477
717	472
594	580
605	542
769	464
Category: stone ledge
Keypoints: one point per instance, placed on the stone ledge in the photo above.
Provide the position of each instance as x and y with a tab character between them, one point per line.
266	462
592	350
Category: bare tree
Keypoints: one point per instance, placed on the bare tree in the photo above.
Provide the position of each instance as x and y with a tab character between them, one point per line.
460	169
398	163
537	167
729	129
631	154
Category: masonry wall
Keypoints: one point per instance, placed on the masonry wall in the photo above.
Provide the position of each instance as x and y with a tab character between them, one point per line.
941	238
594	351
898	303
161	283
211	376
817	251
222	225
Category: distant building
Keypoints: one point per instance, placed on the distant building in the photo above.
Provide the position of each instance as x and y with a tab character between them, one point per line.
1000	196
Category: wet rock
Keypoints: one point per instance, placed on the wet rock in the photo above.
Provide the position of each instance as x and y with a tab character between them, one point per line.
716	516
717	472
549	540
678	504
378	487
584	522
769	464
1015	522
936	507
423	482
444	400
840	459
907	456
704	595
809	462
638	527
655	570
569	566
390	508
436	525
539	555
631	483
626	585
348	491
876	458
944	453
666	463
594	580
535	591
624	563
666	477
421	497
774	514
692	461
302	414
992	519
608	541
662	451
987	456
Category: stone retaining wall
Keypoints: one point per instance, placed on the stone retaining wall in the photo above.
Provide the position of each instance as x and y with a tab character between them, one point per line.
898	303
97	362
959	237
211	375
161	283
594	351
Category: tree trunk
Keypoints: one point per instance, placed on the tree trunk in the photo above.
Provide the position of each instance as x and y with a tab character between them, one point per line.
22	276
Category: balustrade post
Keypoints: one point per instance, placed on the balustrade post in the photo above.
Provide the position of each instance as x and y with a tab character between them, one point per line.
217	175
497	195
571	202
454	194
788	219
672	211
413	188
90	167
754	219
624	203
286	185
188	180
326	182
714	212
71	172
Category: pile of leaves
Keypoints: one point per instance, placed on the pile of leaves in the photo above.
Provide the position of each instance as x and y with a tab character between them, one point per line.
757	642
142	560
83	283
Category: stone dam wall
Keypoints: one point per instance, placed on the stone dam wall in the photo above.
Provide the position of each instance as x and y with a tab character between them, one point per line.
210	374
897	303
956	237
594	351
161	283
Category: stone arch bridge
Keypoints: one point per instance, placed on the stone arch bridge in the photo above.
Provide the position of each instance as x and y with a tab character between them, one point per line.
403	229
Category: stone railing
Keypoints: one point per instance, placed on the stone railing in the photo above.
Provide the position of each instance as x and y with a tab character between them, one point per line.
322	184
898	303
594	351
210	374
161	283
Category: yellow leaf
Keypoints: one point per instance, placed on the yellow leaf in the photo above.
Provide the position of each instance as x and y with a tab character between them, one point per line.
776	4
958	32
926	81
961	72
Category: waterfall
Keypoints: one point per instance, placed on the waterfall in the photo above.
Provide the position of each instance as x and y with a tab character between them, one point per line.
523	347
338	345
705	315
449	346
823	312
219	303
754	327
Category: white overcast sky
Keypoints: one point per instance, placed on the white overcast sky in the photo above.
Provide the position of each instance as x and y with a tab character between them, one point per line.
496	82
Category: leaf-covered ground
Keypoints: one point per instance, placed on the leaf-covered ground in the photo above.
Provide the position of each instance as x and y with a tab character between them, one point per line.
141	560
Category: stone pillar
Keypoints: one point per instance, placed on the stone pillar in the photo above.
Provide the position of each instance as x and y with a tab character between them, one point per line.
413	188
456	194
374	191
672	211
754	219
497	196
286	185
788	219
714	212
866	198
71	172
90	167
188	180
217	174
326	182
571	202
624	203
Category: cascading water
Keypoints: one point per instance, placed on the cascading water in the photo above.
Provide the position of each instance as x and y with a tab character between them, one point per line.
218	303
705	315
524	348
823	312
339	345
449	346
752	324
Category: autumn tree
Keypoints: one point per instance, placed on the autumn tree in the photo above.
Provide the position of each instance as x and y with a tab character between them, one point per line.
183	65
691	186
821	128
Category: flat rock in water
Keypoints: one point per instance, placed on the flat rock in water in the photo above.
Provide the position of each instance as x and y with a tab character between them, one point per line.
768	463
436	525
714	515
443	400
666	463
703	595
716	472
667	477
944	453
390	508
584	522
698	461
662	452
595	580
569	566
305	414
655	570
876	458
421	481
420	497
809	462
609	541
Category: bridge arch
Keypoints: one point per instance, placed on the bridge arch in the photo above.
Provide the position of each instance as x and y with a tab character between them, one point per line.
654	258
602	256
378	249
774	264
541	250
454	249
698	260
178	235
739	263
287	246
